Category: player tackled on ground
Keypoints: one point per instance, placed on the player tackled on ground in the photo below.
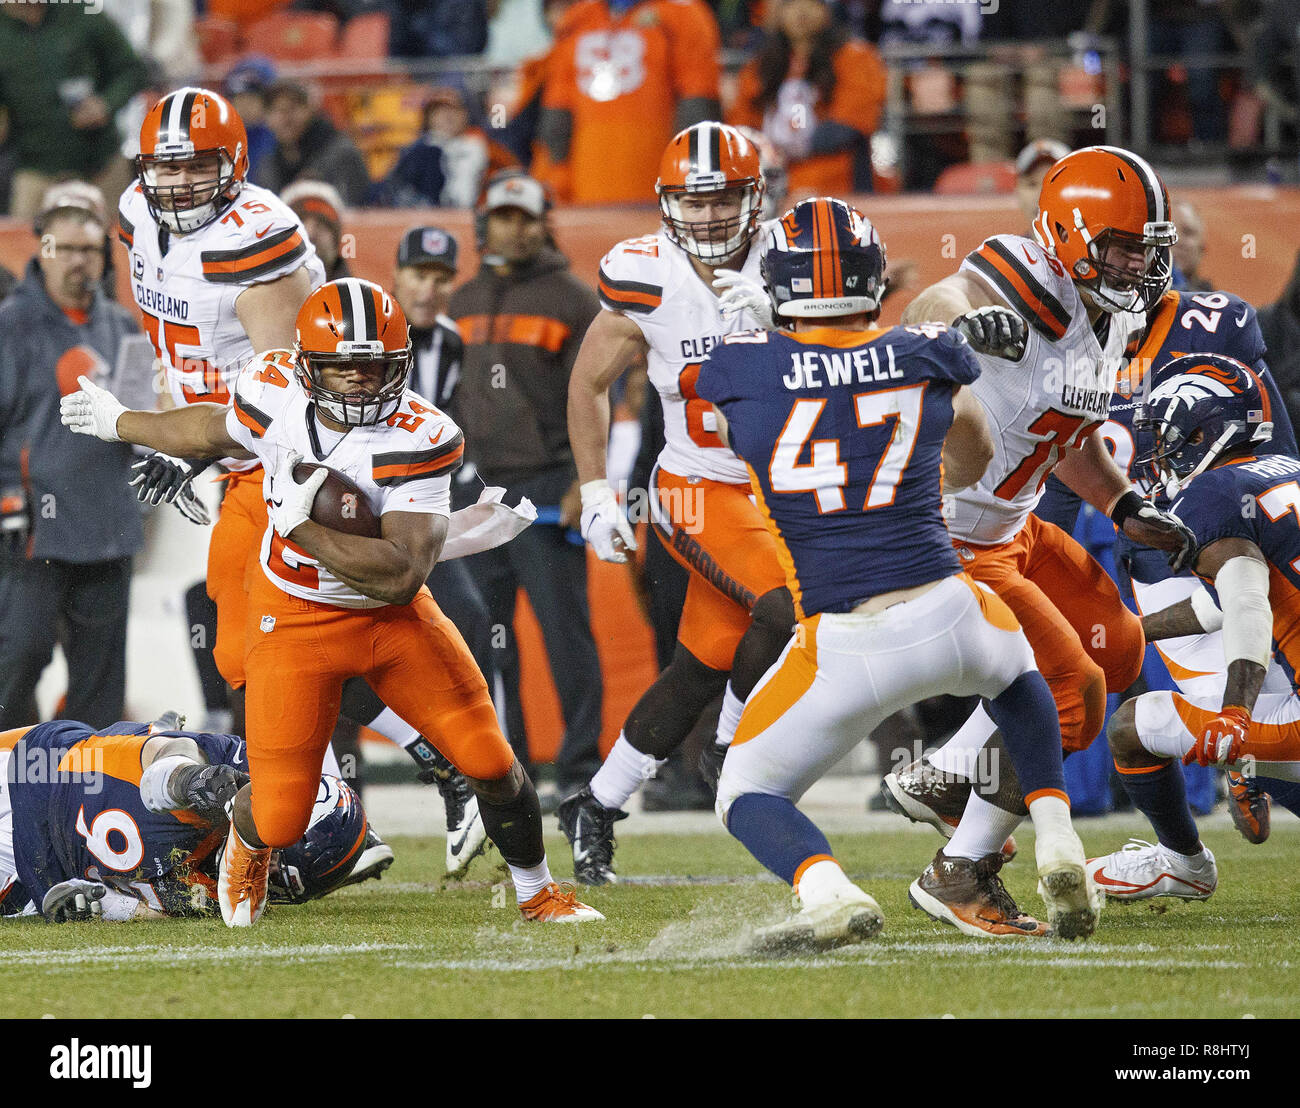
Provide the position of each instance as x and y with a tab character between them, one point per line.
1197	437
851	435
330	605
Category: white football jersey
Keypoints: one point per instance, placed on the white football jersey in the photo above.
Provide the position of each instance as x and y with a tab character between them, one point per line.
402	464
652	282
1048	402
186	286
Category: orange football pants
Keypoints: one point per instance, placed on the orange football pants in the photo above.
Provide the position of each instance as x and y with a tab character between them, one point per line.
1085	641
716	532
299	655
234	552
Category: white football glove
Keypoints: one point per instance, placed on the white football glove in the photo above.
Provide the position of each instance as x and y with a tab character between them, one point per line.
92	411
603	523
290	501
741	294
73	900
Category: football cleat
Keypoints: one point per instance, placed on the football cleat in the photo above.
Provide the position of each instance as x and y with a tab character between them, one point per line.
849	918
376	856
1142	870
558	903
926	794
466	836
242	876
1249	807
970	896
1073	899
589	827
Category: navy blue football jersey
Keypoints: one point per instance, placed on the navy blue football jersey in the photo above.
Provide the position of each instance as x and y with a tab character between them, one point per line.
842	432
77	813
1256	499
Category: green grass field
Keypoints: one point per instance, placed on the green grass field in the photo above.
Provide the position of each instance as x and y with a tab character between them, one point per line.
671	946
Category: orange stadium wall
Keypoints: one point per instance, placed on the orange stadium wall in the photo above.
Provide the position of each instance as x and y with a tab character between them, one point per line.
1252	237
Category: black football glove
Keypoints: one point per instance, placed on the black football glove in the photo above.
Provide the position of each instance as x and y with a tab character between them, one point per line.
996	332
15	522
207	790
162	479
1143	522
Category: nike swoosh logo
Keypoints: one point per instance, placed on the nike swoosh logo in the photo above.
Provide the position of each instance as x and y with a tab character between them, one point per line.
1028	257
276	503
433	439
263	231
1245	314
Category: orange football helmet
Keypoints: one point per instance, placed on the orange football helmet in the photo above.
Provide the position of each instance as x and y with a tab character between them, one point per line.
353	324
1104	213
708	158
187	124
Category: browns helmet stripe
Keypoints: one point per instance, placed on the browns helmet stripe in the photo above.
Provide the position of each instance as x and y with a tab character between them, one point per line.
370	312
1157	197
177	115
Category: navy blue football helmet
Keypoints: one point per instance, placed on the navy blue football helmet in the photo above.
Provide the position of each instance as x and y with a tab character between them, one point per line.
321	860
824	258
1200	406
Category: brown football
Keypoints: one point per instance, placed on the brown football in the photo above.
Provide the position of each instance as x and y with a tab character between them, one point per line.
340	504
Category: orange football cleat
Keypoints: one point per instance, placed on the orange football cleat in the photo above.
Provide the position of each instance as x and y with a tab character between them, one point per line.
241	881
1248	805
558	903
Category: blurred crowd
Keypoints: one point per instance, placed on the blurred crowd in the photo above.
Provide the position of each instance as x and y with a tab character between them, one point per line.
413	103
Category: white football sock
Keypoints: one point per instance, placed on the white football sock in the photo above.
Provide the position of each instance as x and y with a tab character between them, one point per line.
330	763
620	777
983	829
394	728
821	881
959	756
729	717
530	880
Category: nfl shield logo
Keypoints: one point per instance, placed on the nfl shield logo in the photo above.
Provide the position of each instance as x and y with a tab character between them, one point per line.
160	274
268	624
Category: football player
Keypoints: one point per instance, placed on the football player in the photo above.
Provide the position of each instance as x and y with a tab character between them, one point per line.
127	823
1212	323
219	270
1201	437
668	299
329	606
852	434
1048	320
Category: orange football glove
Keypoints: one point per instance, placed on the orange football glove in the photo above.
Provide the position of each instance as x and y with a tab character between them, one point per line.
1221	739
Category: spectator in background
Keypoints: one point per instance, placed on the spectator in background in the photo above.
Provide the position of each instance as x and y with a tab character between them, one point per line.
437	28
522	318
1032	164
1182	30
68	516
1189	249
626	78
320	208
245	87
816	95
65	71
80	194
446	166
308	145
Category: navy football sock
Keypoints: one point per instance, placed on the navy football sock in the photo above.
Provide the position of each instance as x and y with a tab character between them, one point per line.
1031	732
1286	793
776	833
1160	794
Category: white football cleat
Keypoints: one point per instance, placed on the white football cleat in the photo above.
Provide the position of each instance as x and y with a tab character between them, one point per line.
1072	897
851	917
466	838
242	876
1142	870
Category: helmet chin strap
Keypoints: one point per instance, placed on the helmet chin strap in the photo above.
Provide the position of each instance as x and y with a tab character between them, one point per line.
1175	484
